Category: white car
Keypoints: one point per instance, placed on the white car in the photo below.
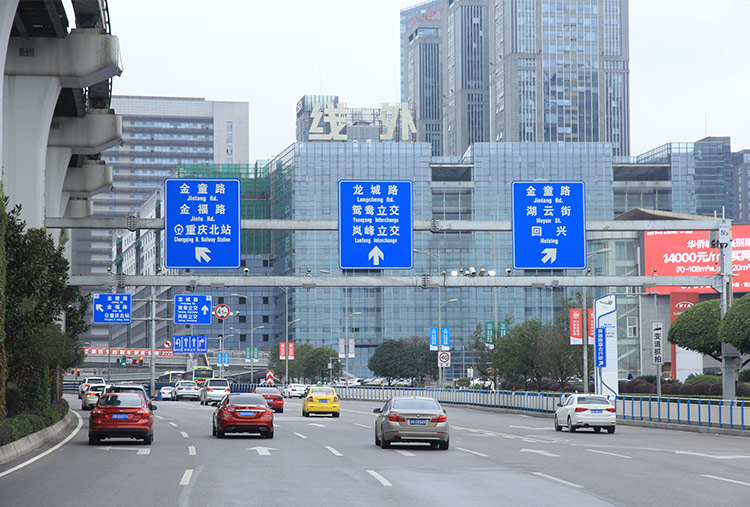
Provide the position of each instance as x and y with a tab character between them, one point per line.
91	395
213	389
186	389
293	390
586	411
167	393
87	382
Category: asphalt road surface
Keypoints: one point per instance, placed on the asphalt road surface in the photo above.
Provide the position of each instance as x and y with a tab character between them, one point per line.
494	459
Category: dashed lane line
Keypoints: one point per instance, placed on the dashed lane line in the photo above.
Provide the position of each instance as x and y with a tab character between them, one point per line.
186	477
333	451
191	450
300	435
173	424
405	453
561	481
472	452
184	435
725	480
610	453
382	480
362	425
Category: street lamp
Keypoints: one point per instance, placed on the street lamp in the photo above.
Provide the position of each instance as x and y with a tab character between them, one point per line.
286	354
251	316
436	256
346	343
252	354
585	322
441	376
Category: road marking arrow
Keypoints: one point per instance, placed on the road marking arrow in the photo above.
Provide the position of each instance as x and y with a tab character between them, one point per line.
376	254
318	425
262	451
201	254
140	451
550	255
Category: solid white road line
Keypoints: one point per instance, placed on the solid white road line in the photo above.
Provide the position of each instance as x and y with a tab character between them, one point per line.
382	480
191	450
159	417
184	435
540	474
405	453
334	451
689	453
726	480
472	452
610	453
362	425
173	424
543	453
530	427
186	477
48	451
300	435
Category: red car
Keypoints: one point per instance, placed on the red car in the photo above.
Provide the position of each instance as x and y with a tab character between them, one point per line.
119	415
273	398
242	413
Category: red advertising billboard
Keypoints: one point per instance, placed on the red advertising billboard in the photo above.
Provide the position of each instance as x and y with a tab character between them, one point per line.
576	324
688	253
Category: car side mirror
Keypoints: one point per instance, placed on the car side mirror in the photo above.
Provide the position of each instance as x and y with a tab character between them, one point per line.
153	407
559	404
376	411
215	404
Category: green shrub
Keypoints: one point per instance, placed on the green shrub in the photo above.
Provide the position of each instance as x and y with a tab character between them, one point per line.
651	379
744	376
13	400
22	425
706	377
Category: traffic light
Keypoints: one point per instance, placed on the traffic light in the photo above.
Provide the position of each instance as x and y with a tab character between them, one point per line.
140	361
78	371
121	361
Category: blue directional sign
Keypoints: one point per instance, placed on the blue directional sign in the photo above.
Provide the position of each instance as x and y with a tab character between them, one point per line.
601	347
446	341
375	224
433	338
202	223
549	225
192	309
112	308
189	343
222	358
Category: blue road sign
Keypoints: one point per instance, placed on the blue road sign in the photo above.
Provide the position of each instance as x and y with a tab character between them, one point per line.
202	223
222	358
446	338
433	338
375	224
601	347
189	343
549	225
112	308
192	309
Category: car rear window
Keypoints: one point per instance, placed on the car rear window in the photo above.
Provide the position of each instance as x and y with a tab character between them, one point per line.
266	390
246	399
97	387
321	392
118	400
215	382
188	384
416	405
592	400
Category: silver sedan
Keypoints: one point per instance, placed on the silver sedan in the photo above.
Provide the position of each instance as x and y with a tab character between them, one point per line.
411	419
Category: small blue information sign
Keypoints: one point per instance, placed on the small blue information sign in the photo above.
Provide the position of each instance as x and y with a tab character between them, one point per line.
433	338
189	344
601	347
192	309
111	308
446	334
202	223
549	225
375	224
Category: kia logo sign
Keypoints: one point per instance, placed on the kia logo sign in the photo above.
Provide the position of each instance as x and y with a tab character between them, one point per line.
683	305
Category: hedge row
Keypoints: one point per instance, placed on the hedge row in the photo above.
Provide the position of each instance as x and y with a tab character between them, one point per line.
21	425
700	388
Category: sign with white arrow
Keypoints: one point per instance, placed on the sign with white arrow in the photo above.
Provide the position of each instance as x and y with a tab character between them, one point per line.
189	344
549	224
375	224
192	309
112	308
262	451
201	223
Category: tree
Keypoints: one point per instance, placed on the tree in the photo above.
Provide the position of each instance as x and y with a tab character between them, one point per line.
518	356
697	328
388	359
561	359
482	356
735	326
315	365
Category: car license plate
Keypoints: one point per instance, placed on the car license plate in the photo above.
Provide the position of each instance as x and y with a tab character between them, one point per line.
417	421
323	401
119	416
247	413
596	411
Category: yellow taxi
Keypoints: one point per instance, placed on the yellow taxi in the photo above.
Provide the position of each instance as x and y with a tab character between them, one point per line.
320	400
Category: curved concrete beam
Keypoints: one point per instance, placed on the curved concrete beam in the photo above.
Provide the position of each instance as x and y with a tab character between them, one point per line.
99	130
93	177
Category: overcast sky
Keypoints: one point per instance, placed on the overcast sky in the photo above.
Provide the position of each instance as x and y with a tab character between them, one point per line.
689	69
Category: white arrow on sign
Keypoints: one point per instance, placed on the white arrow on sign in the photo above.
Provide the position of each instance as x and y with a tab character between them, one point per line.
99	308
376	254
550	254
201	254
204	309
262	451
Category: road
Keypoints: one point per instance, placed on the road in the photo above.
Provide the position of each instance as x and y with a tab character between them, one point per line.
494	459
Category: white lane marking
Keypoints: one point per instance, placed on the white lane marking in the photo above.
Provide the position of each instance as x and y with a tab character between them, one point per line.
300	435
50	450
159	417
382	480
362	425
186	477
738	456
529	428
405	453
334	451
262	451
472	452
144	451
173	424
318	425
139	451
610	454
540	474
184	435
726	480
543	453
191	450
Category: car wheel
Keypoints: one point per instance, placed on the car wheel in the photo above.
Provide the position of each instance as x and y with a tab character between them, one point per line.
219	433
335	414
305	414
385	444
444	445
93	440
202	402
597	429
281	411
148	438
213	429
571	428
557	426
269	434
611	429
377	440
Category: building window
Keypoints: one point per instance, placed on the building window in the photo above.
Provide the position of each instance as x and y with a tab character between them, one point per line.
265	319
229	126
265	337
242	319
265	300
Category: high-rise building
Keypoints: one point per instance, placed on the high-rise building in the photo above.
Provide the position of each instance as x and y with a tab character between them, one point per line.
741	163
158	134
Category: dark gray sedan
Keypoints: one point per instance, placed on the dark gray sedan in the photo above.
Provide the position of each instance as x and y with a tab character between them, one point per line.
411	419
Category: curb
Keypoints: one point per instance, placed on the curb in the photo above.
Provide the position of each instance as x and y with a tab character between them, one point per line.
28	443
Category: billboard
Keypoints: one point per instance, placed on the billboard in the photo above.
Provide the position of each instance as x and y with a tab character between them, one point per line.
688	253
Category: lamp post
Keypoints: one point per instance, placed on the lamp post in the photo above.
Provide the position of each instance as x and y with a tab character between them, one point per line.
585	322
286	354
436	256
251	314
346	343
252	354
441	376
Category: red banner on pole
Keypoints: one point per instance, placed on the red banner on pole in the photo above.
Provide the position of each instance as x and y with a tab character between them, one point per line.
576	326
282	350
291	350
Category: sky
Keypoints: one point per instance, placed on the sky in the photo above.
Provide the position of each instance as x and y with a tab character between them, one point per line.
689	74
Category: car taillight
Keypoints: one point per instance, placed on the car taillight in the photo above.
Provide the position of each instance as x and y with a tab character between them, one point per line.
227	389
141	412
612	409
396	418
335	398
440	418
309	398
97	411
581	409
209	389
